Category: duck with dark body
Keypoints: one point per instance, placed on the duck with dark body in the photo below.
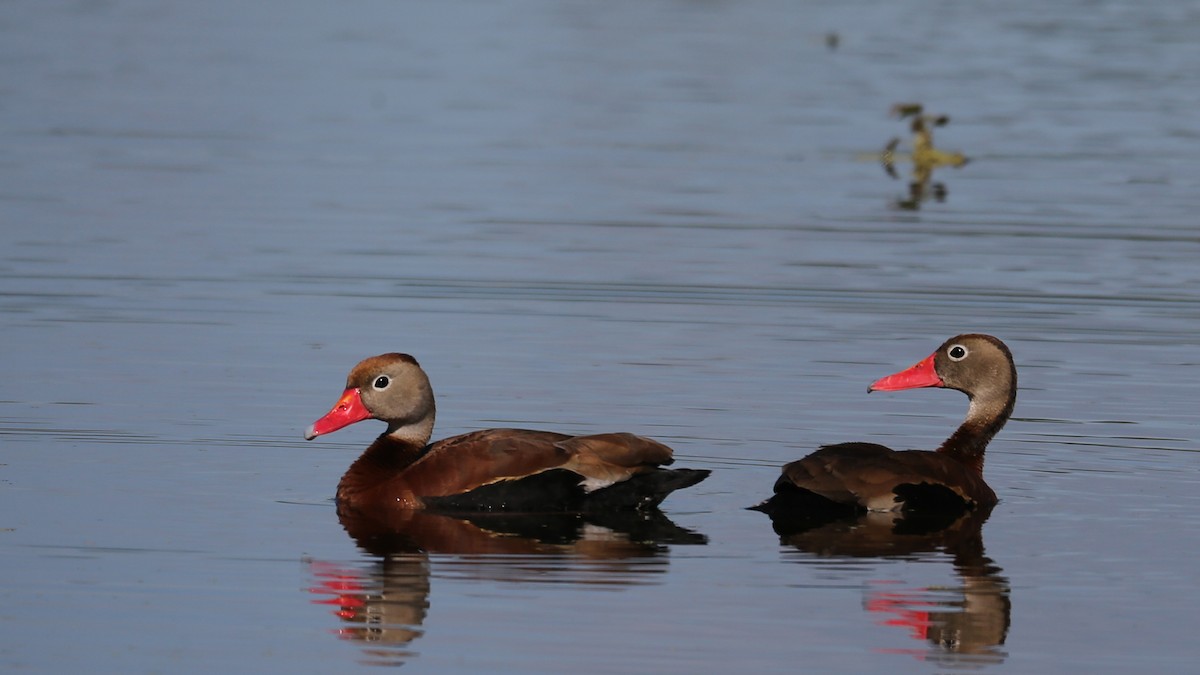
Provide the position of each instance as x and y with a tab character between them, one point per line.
489	470
850	478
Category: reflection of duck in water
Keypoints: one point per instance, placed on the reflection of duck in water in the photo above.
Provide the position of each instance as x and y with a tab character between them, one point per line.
384	606
970	625
493	469
925	155
850	478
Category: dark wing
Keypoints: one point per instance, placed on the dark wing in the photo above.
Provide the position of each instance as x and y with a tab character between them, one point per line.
878	478
605	459
512	466
463	463
839	473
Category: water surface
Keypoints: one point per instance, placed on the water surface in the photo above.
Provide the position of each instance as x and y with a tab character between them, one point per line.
663	218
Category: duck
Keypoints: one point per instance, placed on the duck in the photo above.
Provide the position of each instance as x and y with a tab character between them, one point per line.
858	477
512	470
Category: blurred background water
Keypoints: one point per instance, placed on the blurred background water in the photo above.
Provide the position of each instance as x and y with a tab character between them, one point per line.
668	218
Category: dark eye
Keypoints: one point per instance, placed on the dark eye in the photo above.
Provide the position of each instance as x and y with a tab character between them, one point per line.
382	382
957	352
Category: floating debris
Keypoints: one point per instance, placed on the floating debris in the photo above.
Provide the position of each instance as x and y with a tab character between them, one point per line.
925	156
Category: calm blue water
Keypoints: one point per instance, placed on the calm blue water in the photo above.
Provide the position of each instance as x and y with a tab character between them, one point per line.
666	218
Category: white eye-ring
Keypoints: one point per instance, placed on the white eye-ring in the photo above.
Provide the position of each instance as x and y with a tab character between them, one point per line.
381	382
957	352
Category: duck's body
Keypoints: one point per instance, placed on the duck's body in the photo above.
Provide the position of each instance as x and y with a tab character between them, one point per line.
492	469
514	470
856	477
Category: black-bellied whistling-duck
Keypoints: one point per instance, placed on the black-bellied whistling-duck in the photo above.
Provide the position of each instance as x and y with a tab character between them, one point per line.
856	477
492	469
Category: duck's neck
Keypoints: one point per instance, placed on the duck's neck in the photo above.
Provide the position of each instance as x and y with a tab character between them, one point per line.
413	433
387	457
984	419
